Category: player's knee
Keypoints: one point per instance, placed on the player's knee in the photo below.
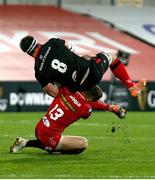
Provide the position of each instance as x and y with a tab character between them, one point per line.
113	58
109	57
83	143
82	146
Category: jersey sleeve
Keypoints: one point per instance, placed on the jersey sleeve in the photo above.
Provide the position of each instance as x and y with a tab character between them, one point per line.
42	81
87	110
98	105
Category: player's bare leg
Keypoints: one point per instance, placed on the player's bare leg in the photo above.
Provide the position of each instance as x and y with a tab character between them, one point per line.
72	144
119	70
66	145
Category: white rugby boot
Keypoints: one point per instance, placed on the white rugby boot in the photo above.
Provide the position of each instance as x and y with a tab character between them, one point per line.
19	144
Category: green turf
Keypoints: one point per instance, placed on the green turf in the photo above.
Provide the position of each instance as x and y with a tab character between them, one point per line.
127	153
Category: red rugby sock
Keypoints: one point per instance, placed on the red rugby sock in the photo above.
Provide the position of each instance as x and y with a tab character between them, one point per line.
119	70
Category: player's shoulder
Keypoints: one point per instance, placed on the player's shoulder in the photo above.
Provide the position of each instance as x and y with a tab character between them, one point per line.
64	90
56	41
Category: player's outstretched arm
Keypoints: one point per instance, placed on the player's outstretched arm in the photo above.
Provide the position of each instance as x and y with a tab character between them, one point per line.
116	109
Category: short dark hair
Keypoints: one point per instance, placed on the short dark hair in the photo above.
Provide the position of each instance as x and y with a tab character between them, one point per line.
28	44
94	93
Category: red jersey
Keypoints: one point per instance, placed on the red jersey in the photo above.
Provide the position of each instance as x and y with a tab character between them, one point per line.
67	108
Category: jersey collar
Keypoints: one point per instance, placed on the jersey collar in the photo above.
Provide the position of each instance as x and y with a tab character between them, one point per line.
37	52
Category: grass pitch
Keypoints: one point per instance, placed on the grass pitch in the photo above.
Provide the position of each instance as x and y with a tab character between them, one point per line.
129	152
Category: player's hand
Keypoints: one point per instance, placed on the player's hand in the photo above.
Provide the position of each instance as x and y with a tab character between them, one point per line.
118	110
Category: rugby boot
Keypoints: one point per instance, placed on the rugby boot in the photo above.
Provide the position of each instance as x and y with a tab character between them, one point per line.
18	145
137	88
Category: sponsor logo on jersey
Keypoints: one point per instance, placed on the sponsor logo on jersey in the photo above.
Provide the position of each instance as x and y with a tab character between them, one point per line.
43	58
90	110
75	101
46	122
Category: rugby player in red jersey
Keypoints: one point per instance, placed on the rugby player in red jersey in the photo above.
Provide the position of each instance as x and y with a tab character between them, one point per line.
65	109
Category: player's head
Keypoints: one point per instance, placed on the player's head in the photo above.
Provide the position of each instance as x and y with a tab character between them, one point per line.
28	44
94	93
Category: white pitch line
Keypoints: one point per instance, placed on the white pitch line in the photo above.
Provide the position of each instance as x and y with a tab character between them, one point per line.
21	122
5	122
89	137
89	124
14	136
82	177
131	138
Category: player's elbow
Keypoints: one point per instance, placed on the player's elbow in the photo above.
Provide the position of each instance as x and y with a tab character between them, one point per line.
51	90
